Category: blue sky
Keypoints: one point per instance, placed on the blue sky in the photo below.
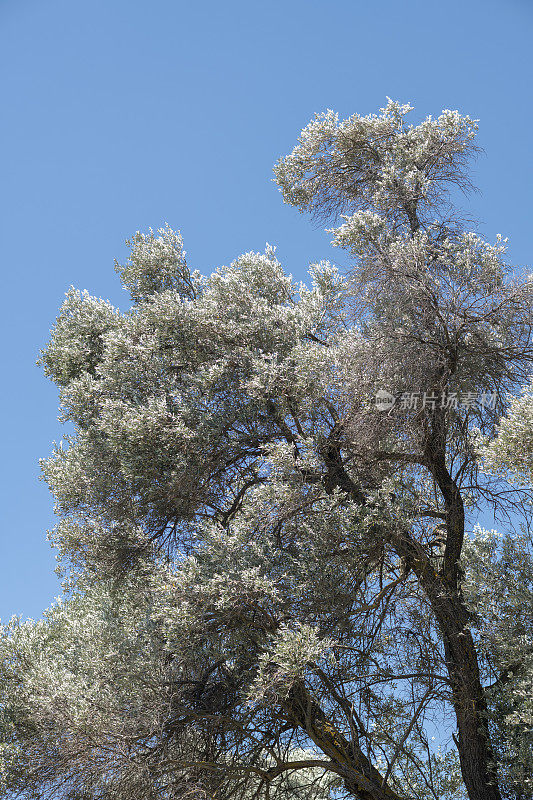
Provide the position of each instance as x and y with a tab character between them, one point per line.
118	116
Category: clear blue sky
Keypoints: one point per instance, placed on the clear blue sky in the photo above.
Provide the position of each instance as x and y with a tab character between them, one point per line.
121	115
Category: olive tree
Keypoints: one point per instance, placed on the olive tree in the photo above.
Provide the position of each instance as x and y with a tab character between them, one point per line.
271	590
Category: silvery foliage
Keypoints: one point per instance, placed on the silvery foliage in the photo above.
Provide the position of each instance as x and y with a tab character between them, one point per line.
236	623
499	588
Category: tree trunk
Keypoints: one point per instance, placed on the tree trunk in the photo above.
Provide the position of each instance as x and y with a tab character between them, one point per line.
474	747
475	752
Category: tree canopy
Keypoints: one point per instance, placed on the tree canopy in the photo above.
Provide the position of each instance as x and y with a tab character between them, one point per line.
273	585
